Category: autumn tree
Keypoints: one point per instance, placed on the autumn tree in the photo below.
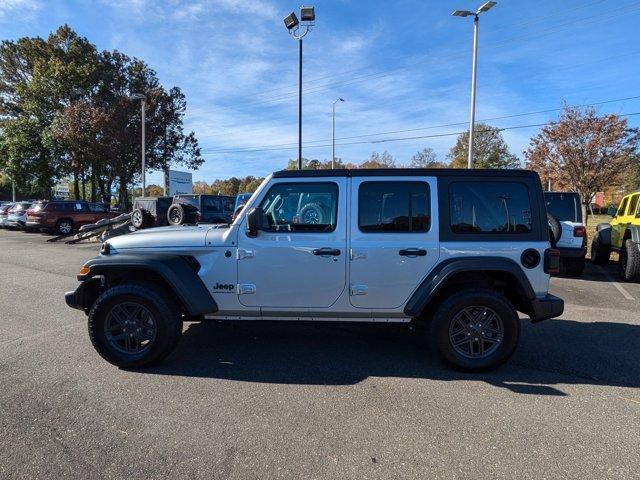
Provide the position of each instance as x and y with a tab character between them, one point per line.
584	151
377	160
489	149
426	158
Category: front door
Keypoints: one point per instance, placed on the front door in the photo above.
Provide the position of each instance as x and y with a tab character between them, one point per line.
394	239
298	259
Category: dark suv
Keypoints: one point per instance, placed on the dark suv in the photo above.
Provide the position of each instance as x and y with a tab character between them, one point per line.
63	217
200	209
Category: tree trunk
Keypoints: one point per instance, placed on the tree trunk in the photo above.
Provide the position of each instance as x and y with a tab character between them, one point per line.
123	196
93	181
76	185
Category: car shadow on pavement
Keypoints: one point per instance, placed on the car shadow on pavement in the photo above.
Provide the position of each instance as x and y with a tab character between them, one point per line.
554	352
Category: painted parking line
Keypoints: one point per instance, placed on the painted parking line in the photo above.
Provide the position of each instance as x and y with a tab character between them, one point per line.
619	287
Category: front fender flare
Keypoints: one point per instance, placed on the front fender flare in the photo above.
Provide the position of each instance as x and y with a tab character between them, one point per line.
179	272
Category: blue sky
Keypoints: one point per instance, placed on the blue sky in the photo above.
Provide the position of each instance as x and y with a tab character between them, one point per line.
402	66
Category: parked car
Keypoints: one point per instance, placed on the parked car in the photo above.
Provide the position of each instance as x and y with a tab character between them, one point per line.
461	251
566	208
17	215
200	209
621	235
150	211
63	217
4	213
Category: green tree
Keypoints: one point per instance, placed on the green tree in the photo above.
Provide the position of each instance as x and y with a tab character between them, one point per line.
489	149
426	158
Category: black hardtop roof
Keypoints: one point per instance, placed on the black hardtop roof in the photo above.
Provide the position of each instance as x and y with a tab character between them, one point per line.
407	172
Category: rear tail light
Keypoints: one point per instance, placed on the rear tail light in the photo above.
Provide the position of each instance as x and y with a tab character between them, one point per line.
579	231
551	260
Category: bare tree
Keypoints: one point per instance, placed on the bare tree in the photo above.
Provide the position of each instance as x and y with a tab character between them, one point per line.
426	158
583	152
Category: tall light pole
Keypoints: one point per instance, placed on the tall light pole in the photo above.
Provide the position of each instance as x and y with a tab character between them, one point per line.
143	107
474	64
307	17
333	136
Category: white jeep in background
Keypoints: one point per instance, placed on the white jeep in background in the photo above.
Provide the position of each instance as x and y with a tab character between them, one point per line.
460	250
571	237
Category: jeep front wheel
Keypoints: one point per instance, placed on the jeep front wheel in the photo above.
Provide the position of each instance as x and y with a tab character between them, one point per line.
475	330
600	252
134	325
630	261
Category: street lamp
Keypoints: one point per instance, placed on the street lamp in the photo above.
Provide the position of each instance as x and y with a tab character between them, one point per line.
485	7
298	30
143	104
333	150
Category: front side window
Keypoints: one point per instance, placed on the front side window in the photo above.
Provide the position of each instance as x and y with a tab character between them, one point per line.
300	207
633	205
490	207
394	207
622	207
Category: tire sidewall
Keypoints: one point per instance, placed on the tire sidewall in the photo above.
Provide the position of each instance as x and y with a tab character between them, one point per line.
62	222
162	314
135	214
178	208
480	297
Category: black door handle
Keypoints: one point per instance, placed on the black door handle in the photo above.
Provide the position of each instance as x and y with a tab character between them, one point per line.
412	252
333	252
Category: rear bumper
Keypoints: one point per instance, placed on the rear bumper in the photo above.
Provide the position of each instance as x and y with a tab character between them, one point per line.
569	252
546	307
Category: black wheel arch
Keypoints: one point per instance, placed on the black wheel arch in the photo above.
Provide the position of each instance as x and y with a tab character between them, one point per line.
497	273
177	274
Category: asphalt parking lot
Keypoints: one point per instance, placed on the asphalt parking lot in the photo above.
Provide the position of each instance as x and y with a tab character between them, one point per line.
273	401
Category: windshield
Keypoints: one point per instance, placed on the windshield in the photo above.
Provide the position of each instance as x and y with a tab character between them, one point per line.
564	206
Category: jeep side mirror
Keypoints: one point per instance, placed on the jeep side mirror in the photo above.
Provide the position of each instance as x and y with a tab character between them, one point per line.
254	219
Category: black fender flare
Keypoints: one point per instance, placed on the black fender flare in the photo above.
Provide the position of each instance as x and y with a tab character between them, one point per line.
180	272
603	231
634	233
438	277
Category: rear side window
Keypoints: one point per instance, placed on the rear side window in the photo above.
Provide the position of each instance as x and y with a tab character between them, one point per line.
564	206
394	207
187	200
490	207
633	205
211	205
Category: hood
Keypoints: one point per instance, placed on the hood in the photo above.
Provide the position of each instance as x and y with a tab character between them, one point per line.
182	236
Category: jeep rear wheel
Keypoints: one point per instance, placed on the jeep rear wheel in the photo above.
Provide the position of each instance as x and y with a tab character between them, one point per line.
134	325
475	330
630	261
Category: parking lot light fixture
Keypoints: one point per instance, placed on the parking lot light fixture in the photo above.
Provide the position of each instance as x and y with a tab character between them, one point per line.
298	30
485	7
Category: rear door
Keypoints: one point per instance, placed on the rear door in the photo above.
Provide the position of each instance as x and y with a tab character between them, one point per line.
394	239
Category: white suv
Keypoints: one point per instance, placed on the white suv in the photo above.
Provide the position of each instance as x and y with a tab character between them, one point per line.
566	210
460	250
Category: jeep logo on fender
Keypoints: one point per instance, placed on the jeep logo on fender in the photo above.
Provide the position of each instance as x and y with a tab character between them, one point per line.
224	287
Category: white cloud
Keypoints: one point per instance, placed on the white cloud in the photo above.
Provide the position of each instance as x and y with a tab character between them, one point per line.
18	9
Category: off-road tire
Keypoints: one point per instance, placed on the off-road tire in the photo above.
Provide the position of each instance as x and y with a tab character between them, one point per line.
64	226
140	218
574	267
177	214
630	261
600	252
457	302
158	302
312	211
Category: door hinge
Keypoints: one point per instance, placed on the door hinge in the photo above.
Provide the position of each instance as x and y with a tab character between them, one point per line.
242	253
359	290
246	288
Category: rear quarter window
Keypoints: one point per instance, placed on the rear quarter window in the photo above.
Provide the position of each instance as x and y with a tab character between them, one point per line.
490	208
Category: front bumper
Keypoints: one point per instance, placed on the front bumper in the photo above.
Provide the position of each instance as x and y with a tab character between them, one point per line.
572	252
546	307
84	295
